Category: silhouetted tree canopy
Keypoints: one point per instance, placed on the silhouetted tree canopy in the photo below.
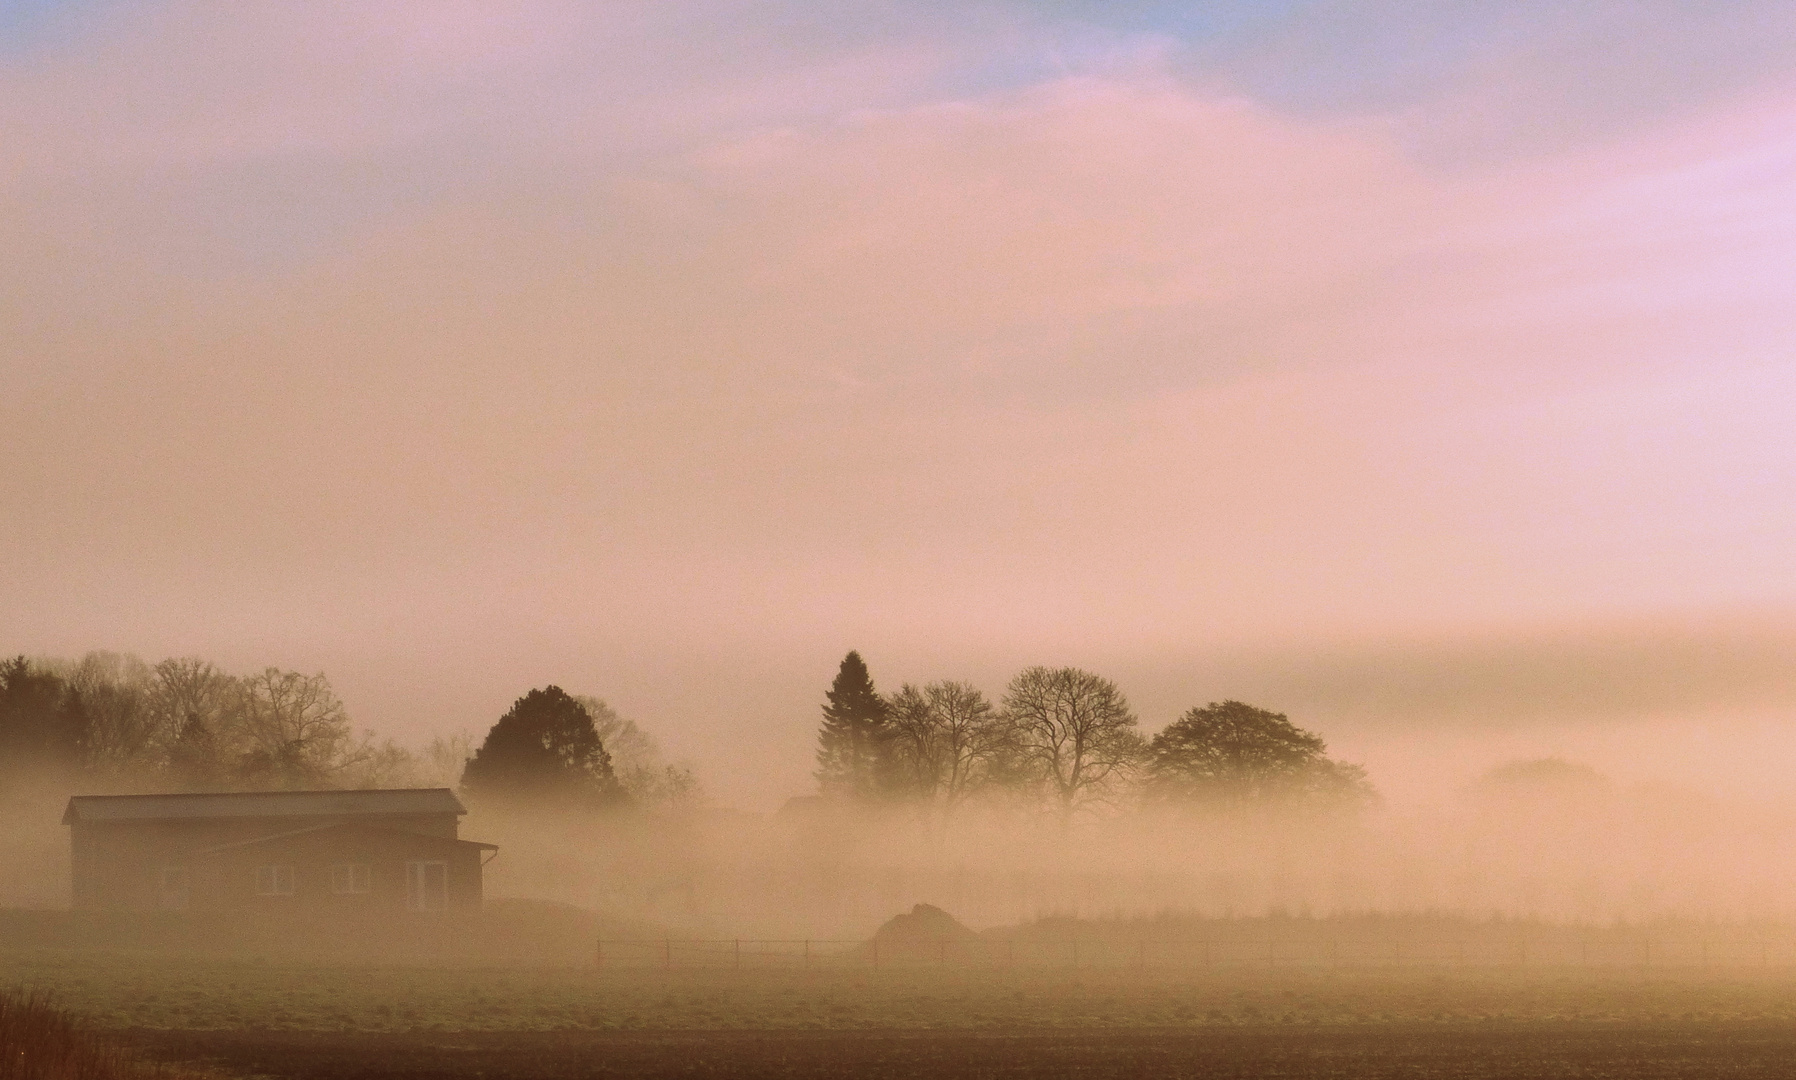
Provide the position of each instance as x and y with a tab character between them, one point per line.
852	753
42	721
545	747
1231	752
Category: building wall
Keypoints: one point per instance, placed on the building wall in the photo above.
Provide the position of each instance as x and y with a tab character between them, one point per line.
229	880
117	865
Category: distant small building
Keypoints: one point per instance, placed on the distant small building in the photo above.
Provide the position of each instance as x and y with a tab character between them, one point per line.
343	852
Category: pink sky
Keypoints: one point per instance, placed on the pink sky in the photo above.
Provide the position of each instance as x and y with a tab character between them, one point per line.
625	348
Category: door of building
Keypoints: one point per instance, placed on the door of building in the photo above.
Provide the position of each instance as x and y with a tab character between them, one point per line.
426	885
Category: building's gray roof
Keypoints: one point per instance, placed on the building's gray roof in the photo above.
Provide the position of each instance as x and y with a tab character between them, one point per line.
256	804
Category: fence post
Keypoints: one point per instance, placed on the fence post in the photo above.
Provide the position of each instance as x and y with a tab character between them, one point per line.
667	954
598	954
1141	954
1271	953
1206	952
1010	952
875	954
1646	953
941	953
1704	953
1334	954
1075	954
738	952
807	954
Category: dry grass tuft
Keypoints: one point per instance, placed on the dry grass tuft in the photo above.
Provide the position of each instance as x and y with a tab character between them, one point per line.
39	1041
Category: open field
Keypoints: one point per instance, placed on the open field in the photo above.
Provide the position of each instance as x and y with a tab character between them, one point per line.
927	1011
1460	1051
284	1020
147	991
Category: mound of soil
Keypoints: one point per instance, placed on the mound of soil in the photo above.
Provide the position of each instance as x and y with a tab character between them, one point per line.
924	933
924	922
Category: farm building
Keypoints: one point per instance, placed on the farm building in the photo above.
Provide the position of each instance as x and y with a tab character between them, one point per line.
290	851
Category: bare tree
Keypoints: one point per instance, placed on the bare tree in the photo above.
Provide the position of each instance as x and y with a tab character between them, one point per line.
638	763
945	736
367	763
630	747
116	693
1073	729
297	729
197	717
441	763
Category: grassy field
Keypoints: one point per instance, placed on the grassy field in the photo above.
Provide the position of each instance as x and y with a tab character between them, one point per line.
519	998
158	992
1445	1051
294	1021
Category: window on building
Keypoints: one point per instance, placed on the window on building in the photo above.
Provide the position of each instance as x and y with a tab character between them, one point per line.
274	881
351	878
171	887
427	886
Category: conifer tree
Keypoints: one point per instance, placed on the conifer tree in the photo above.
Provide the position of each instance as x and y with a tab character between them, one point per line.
851	744
546	747
43	721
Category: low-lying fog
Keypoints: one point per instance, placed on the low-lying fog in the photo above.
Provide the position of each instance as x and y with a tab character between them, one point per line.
1579	809
1547	838
1572	849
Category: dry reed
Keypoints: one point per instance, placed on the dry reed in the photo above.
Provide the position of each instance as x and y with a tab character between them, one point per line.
39	1041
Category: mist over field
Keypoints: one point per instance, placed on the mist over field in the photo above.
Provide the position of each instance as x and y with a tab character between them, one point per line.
1533	838
567	539
1420	378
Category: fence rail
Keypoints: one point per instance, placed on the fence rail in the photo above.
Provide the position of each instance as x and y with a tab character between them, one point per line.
1099	953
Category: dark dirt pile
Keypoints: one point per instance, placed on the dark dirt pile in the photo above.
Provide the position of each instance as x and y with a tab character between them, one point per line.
922	933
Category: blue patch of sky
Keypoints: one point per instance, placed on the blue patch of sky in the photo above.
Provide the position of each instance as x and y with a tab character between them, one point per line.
29	25
1297	55
1375	55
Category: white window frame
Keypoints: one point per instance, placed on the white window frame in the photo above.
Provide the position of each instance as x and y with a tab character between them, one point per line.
349	879
274	880
173	888
418	891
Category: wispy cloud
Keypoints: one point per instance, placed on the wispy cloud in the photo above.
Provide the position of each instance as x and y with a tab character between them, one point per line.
595	337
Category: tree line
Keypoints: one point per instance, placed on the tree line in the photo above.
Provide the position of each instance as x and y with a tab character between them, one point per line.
1069	739
183	724
1060	736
